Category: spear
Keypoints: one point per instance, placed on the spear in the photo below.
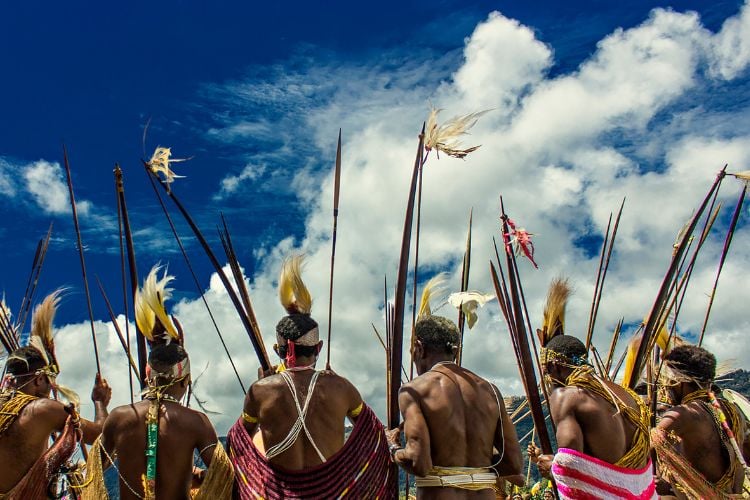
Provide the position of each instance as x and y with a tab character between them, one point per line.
139	338
613	345
464	286
259	351
120	336
602	274
400	298
36	269
649	329
83	261
197	283
123	281
234	265
336	189
724	251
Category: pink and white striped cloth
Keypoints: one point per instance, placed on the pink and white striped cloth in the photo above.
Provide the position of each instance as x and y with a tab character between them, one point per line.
581	477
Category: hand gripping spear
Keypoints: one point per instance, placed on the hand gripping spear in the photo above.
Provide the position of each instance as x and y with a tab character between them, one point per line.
336	189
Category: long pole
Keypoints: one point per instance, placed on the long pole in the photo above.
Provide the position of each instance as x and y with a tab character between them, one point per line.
259	352
400	298
139	338
336	190
724	252
465	268
83	260
649	329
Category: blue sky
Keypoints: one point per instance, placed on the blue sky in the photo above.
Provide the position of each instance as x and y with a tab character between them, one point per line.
255	94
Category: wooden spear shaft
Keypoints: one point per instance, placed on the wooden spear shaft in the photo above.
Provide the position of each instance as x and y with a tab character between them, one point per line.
83	260
394	416
465	268
724	252
139	337
336	190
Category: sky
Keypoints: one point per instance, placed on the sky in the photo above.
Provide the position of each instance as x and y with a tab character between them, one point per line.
590	102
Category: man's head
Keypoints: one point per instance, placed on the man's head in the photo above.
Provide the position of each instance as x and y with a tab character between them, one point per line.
561	355
169	366
687	368
297	336
27	370
437	340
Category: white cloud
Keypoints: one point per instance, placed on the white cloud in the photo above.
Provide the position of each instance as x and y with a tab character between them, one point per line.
551	149
7	186
44	182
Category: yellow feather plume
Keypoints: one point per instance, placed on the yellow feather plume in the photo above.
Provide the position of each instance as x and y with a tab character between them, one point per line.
554	310
41	326
293	293
150	312
432	289
629	364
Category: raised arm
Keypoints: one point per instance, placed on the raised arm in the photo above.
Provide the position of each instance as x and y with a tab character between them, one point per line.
100	395
415	457
506	442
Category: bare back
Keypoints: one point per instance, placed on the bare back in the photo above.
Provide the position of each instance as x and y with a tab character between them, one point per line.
27	439
590	423
272	402
701	442
466	422
181	432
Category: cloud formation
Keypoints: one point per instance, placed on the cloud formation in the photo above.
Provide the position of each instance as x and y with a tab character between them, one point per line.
562	151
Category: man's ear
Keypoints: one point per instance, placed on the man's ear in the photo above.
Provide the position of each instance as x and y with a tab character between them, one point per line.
319	347
418	348
454	351
276	349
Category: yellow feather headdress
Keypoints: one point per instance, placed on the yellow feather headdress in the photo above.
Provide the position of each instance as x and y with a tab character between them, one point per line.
150	312
434	288
293	294
554	310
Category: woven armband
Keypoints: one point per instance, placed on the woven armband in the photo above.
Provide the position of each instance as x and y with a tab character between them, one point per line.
249	419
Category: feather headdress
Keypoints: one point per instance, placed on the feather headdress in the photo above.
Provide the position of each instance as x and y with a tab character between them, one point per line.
445	138
469	302
293	293
434	288
42	338
160	164
150	312
554	310
41	327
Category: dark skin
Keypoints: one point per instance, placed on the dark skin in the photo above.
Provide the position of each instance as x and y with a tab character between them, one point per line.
181	431
452	418
586	422
28	437
701	443
270	400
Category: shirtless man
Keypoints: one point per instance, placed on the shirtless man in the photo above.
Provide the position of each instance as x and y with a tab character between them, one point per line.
690	428
300	414
27	437
181	431
602	429
456	427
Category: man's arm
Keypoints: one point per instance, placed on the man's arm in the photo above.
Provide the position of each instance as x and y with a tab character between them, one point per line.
562	405
355	401
100	395
506	441
250	410
207	439
415	457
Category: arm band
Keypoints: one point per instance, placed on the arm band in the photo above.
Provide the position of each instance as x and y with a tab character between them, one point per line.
250	420
355	412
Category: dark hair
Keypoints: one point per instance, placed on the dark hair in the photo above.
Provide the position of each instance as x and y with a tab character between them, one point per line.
295	325
567	345
164	356
693	361
437	334
301	351
24	361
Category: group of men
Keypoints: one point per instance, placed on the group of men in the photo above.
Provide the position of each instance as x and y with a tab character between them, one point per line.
456	439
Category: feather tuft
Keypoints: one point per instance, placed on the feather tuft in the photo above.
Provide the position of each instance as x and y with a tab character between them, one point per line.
468	302
445	138
69	394
41	326
434	288
150	311
743	176
629	363
554	310
160	164
293	293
